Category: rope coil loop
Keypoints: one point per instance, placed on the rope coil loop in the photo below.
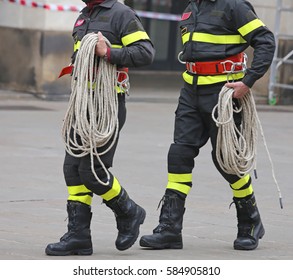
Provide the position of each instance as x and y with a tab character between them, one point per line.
91	119
236	150
236	145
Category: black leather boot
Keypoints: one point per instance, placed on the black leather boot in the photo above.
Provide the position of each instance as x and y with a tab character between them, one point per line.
167	235
250	227
77	241
129	217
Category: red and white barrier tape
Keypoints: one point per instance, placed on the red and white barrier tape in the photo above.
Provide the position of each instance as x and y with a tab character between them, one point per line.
77	8
162	16
51	7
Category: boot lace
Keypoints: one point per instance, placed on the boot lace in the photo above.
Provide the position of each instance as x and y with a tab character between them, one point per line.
161	227
168	203
245	227
173	203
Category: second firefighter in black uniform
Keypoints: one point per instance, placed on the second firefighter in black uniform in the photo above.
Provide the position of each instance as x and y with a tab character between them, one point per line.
214	34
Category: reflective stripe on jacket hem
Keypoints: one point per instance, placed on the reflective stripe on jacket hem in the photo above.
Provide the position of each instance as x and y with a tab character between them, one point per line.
208	80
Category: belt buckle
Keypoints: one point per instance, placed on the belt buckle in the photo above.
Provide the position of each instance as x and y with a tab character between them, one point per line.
191	67
233	65
225	64
123	81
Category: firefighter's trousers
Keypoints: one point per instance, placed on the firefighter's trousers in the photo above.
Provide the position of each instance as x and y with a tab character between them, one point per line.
194	126
79	177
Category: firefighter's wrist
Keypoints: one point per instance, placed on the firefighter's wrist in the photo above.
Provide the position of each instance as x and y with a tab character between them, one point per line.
107	55
248	81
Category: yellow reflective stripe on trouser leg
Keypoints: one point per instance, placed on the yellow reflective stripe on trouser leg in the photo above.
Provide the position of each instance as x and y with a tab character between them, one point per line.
239	188
113	192
80	193
179	182
180	178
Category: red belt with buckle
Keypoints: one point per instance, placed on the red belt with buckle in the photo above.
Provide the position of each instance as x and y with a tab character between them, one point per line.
122	72
232	64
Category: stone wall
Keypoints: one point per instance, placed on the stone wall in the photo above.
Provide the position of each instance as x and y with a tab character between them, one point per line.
36	44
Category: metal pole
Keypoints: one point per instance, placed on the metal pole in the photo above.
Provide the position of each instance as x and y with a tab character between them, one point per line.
273	73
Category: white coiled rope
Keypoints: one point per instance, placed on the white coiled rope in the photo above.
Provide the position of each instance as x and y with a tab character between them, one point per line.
236	149
236	146
92	114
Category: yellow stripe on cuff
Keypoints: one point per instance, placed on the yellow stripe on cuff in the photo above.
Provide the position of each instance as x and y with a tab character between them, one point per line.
113	192
73	190
241	182
180	178
243	193
178	187
87	199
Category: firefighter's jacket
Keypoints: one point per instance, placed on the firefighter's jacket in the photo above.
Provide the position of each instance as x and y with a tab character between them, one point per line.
217	29
130	44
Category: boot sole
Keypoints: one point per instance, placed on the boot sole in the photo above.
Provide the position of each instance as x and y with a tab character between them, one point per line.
146	244
141	221
80	252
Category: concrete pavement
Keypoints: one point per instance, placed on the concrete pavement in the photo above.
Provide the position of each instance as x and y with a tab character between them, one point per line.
33	192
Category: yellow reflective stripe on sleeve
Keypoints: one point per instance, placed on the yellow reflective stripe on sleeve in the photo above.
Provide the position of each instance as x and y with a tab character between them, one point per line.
213	39
180	178
208	80
178	187
87	199
241	182
116	46
74	190
134	37
76	46
247	28
113	192
243	193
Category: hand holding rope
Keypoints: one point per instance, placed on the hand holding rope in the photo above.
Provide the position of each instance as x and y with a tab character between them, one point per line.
237	145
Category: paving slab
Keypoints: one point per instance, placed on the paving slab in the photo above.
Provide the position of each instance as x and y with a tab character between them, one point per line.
33	192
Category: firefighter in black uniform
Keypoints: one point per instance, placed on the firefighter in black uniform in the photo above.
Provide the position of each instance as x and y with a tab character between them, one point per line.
214	33
130	47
